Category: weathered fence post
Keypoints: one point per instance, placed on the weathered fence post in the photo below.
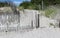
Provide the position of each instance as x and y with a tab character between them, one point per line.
32	24
59	24
37	20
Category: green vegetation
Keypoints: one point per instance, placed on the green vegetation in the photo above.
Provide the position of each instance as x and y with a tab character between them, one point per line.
27	5
38	4
46	2
49	11
51	24
2	4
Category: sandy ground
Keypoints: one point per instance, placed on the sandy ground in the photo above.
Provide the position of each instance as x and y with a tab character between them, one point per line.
35	33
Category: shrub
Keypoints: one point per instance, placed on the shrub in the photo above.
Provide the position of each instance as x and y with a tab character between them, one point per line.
49	11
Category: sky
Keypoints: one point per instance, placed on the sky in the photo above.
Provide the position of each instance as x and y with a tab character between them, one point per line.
17	2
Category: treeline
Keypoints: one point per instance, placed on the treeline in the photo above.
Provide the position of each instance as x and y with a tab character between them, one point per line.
2	4
38	4
46	2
